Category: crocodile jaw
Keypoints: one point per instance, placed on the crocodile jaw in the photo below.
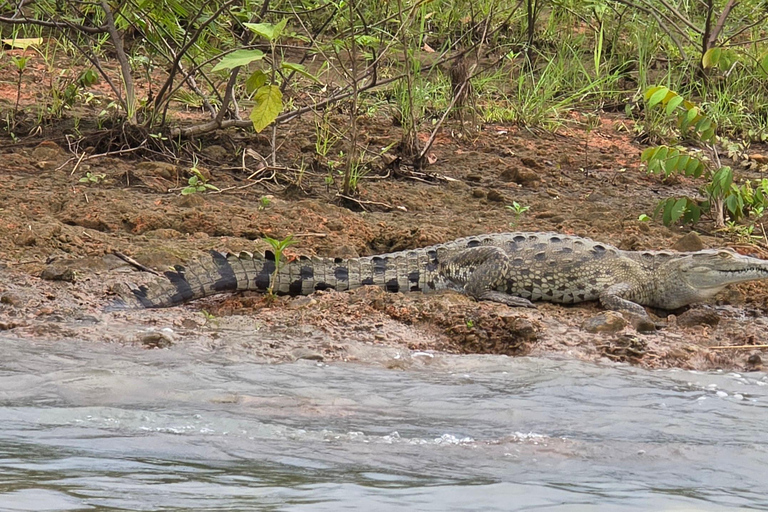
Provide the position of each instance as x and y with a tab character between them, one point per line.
710	271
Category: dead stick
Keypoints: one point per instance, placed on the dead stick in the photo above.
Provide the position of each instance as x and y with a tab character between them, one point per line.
135	263
738	347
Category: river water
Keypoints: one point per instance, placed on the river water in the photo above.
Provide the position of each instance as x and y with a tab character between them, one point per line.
103	427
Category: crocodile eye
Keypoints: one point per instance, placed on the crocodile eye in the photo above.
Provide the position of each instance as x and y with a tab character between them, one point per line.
724	255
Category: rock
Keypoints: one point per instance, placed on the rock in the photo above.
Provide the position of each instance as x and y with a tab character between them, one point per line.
156	339
624	348
7	326
11	299
642	324
58	273
217	153
530	162
520	176
47	155
495	195
606	322
473	177
163	234
160	169
522	328
191	201
345	251
478	193
698	316
689	243
553	193
305	353
755	362
25	239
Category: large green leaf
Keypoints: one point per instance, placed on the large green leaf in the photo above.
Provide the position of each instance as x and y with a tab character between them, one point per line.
678	209
674	103
711	58
23	43
763	65
256	80
298	68
658	95
238	58
270	32
269	103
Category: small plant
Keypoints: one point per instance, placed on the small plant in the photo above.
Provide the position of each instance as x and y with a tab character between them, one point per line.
208	317
470	324
518	210
21	65
91	178
693	123
197	183
264	202
278	246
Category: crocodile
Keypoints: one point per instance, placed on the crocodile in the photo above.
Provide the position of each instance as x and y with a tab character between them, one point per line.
511	268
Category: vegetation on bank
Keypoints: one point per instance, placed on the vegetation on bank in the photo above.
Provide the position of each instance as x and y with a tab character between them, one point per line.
692	74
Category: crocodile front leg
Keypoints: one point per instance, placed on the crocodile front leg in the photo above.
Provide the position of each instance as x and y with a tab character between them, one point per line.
481	270
612	298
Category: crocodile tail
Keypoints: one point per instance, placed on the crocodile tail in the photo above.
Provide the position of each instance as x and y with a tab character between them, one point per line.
404	271
212	274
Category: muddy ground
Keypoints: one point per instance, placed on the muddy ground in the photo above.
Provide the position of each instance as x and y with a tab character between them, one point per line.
573	181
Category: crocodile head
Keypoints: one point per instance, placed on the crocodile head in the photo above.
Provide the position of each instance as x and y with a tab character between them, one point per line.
710	270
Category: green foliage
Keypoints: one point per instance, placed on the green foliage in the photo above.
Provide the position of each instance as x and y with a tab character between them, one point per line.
722	194
690	120
278	246
269	104
197	183
91	178
518	210
674	209
668	161
238	58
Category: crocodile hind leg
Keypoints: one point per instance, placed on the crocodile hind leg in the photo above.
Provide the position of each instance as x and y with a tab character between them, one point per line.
482	270
613	298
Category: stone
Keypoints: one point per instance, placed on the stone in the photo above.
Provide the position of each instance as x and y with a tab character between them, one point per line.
305	353
217	153
25	239
689	243
479	193
156	339
58	273
606	322
11	299
165	170
698	316
520	176
530	162
496	196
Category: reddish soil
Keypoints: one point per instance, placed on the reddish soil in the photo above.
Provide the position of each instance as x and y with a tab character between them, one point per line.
574	181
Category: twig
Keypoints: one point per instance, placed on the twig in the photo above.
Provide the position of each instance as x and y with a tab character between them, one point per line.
77	164
122	59
319	235
81	158
457	94
363	204
134	263
725	347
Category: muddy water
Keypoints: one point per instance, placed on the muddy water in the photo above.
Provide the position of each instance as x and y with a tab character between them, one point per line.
100	427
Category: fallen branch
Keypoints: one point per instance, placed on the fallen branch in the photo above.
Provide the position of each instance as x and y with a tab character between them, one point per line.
134	263
736	347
